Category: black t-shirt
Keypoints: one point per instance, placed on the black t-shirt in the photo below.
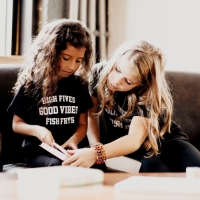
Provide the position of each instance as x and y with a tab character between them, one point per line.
61	116
118	128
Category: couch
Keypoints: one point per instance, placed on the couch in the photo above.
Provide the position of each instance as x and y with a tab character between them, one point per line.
186	94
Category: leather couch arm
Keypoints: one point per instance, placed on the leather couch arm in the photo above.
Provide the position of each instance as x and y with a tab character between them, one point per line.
1	162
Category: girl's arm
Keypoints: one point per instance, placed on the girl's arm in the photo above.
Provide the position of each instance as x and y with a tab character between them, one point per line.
131	142
42	133
79	134
122	146
93	123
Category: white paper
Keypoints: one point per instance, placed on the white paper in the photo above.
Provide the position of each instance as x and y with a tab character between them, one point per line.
54	151
123	164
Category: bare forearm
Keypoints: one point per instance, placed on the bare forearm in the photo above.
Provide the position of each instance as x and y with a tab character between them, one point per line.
131	142
122	146
93	123
93	131
42	133
24	129
80	132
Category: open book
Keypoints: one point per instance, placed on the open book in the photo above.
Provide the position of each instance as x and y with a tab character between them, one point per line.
57	150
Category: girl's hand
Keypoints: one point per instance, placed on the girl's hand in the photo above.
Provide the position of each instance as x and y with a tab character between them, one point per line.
44	135
85	157
71	143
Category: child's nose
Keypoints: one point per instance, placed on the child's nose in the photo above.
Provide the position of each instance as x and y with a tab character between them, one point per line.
71	66
117	81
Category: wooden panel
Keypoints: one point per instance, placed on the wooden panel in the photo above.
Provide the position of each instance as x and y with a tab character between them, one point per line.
11	59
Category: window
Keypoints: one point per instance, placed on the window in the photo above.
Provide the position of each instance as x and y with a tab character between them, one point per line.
23	19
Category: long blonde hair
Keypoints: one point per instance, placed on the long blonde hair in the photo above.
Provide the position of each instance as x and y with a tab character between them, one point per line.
152	90
40	73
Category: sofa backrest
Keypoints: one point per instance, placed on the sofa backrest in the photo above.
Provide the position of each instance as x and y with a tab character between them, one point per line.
185	90
186	95
11	143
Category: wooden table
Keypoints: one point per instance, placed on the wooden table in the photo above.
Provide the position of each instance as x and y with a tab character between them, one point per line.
105	191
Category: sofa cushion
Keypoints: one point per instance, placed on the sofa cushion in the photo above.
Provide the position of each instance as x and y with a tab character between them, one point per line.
11	142
186	95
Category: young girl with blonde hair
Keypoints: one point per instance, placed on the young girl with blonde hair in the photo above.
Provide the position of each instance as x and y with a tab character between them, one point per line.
51	93
131	92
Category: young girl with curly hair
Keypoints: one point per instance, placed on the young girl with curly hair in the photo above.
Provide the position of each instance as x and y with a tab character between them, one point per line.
51	93
131	92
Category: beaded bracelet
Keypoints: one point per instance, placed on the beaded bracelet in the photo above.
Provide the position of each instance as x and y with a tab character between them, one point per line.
101	154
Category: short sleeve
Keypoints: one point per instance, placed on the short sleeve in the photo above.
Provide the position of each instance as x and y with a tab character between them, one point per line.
86	101
20	104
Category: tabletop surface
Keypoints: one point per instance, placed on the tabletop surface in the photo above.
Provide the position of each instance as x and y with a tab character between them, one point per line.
105	191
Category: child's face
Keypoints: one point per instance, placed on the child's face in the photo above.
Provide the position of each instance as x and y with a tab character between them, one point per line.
70	60
122	76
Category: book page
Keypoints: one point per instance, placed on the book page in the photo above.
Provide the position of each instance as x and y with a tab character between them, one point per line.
54	151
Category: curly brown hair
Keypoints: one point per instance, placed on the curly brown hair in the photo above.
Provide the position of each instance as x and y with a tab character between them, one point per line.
40	73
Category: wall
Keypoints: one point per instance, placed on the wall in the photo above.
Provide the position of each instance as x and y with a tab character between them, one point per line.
116	23
172	25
